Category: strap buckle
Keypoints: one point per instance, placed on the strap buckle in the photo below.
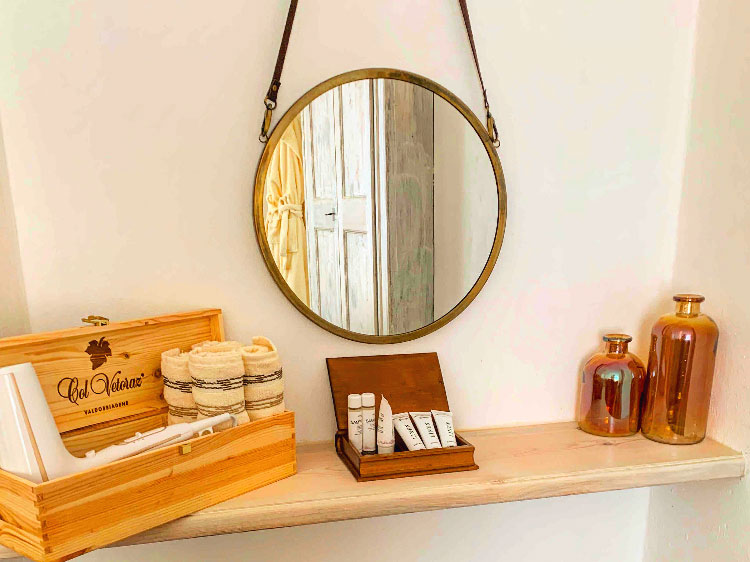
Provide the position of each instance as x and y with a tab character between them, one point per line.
264	128
492	130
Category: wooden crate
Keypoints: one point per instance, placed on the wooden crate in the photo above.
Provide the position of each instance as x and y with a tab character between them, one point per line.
410	383
79	370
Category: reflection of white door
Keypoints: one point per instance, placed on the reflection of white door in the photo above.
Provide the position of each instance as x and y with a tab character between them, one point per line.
339	193
368	160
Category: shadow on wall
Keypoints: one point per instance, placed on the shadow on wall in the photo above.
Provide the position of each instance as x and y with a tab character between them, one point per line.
711	513
14	313
500	532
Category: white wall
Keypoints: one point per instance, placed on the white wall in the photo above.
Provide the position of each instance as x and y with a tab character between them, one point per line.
707	522
465	206
131	139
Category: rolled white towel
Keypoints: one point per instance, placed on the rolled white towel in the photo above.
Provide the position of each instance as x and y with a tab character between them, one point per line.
217	384
217	346
178	387
264	379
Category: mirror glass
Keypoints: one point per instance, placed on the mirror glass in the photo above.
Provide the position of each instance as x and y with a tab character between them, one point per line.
380	206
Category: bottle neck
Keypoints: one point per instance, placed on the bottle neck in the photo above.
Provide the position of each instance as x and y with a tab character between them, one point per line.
687	308
617	347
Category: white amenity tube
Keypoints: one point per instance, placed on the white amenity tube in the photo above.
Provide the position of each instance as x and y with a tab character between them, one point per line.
423	423
444	423
368	424
386	437
407	432
355	421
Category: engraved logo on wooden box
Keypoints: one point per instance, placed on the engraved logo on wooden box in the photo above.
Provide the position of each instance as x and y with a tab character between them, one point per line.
75	389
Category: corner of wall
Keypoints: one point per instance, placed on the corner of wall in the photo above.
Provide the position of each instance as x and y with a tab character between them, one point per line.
14	310
686	119
708	521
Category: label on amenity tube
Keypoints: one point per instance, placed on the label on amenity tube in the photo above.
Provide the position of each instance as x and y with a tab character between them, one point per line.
407	432
444	423
423	422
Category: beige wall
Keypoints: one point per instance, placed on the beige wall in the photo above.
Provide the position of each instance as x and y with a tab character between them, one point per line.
131	139
710	522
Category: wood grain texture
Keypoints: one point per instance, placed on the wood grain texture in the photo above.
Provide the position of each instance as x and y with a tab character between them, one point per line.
404	463
516	463
18	504
410	382
27	544
82	390
215	475
79	441
81	512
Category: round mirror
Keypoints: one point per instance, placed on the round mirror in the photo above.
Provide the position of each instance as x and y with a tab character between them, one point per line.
380	205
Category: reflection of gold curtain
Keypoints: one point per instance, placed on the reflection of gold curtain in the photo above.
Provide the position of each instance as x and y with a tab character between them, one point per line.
285	222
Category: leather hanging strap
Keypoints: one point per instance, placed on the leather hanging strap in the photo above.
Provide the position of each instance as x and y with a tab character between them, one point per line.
491	126
273	89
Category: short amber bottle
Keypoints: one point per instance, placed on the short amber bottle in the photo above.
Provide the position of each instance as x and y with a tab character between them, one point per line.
680	374
611	386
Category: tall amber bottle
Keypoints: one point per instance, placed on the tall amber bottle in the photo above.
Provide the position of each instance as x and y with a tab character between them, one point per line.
680	374
610	401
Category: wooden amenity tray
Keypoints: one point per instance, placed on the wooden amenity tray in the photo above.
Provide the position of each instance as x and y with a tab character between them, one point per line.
410	383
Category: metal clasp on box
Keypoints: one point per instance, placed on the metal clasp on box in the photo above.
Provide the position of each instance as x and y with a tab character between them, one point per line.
95	320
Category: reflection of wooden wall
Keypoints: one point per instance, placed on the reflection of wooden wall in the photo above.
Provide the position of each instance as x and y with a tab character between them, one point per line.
408	135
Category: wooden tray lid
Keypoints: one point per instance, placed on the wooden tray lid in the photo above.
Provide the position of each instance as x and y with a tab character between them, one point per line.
410	383
96	375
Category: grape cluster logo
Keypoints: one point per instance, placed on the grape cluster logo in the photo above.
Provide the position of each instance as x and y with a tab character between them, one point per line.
98	352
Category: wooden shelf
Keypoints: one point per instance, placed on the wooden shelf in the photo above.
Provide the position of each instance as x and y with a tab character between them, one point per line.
514	464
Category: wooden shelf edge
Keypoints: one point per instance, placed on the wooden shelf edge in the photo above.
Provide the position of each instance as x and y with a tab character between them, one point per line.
310	512
519	463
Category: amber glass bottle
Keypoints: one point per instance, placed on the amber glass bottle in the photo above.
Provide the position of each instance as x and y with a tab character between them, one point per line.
680	374
611	389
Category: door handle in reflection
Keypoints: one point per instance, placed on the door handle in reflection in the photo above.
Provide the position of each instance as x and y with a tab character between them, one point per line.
331	214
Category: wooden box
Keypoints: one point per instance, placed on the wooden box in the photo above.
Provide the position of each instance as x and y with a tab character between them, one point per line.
103	384
410	383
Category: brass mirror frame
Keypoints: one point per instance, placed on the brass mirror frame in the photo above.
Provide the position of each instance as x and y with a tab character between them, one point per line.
260	176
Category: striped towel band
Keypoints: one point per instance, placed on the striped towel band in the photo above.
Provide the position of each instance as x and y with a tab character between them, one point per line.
210	411
255	379
218	384
182	386
182	412
265	403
